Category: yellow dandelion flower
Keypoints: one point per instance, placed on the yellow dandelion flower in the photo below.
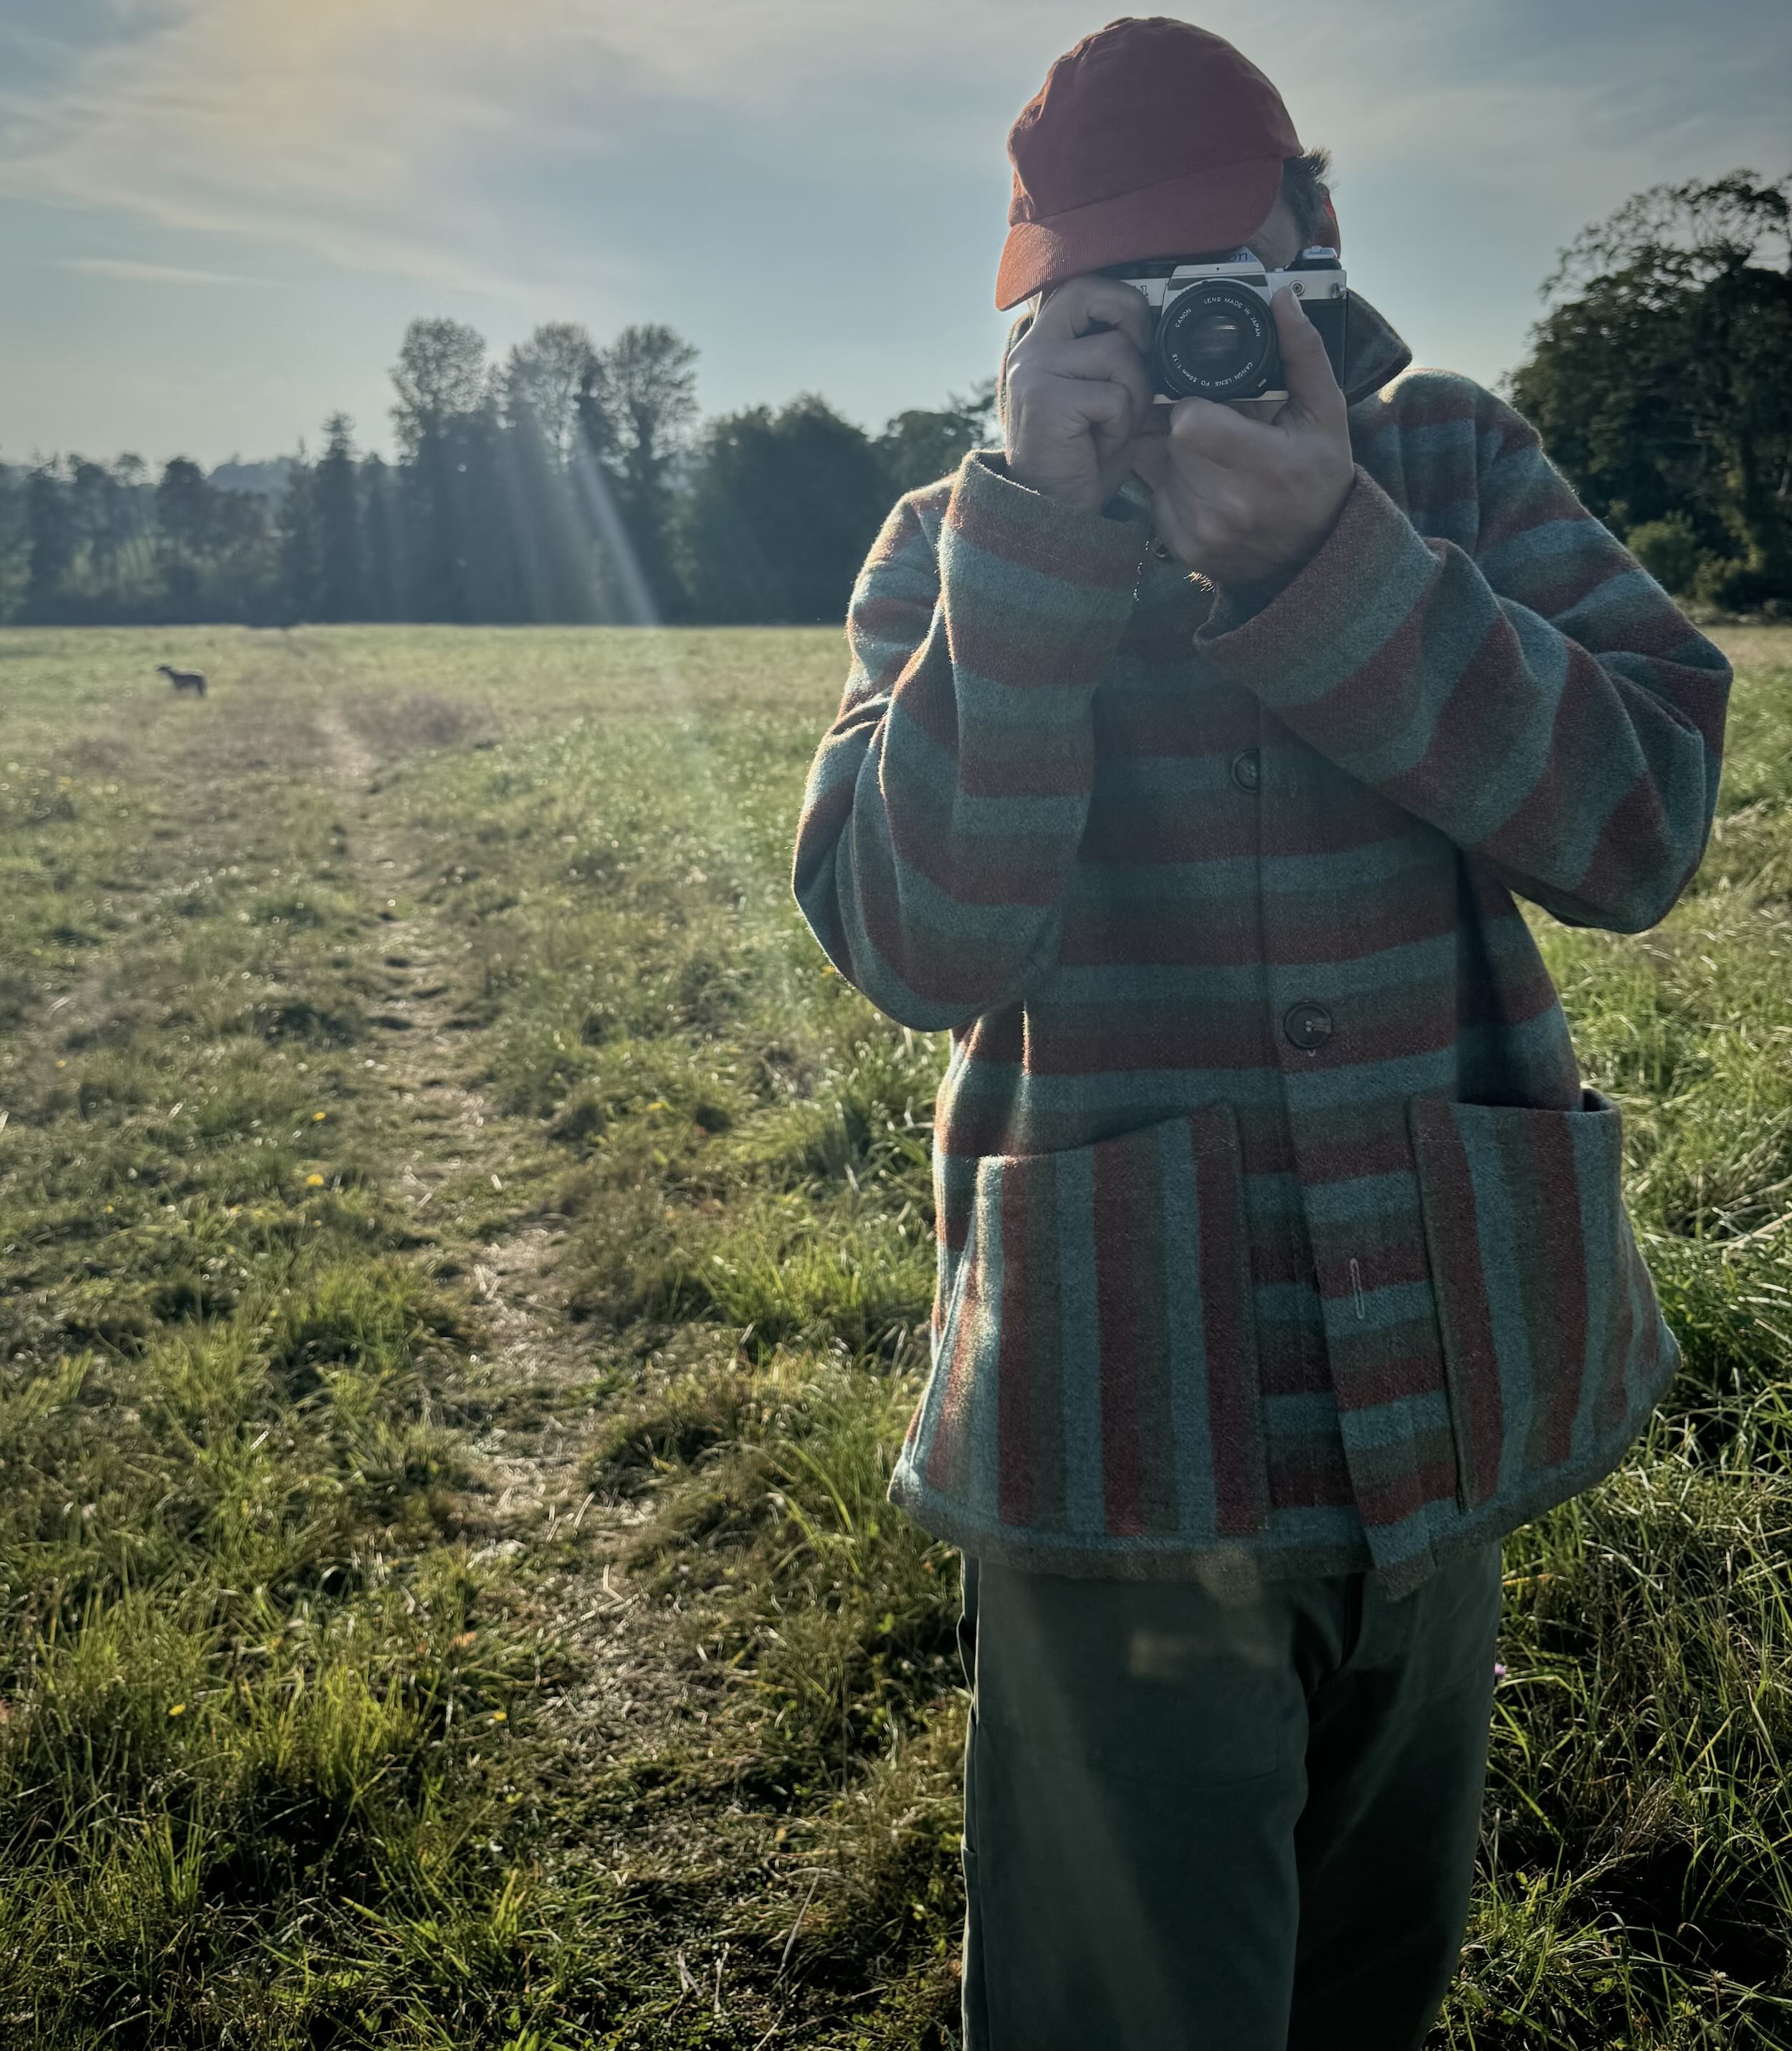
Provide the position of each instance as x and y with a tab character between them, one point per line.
498	1716
318	1116
314	1181
177	1708
62	1065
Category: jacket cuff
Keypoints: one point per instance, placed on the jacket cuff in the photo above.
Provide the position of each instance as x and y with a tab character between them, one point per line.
1033	531
1342	605
1035	592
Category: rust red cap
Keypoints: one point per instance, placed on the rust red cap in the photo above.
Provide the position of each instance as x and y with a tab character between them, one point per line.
1151	138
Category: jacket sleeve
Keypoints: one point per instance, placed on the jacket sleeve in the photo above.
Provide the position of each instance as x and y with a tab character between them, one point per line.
947	801
1529	691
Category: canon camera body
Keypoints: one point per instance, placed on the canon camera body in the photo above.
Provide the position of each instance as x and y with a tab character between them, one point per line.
1212	333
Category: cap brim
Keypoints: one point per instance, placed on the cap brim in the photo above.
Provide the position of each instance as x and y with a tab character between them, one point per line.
1183	217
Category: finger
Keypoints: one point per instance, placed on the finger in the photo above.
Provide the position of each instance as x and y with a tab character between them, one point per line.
1078	304
1082	409
1203	427
1108	411
1108	359
1108	356
1313	386
1063	409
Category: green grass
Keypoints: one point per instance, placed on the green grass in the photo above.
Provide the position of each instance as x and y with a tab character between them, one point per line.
375	1669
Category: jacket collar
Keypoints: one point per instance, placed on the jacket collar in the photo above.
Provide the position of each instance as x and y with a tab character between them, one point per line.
1373	352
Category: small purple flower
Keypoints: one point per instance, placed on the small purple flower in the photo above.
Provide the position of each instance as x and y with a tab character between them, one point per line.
1499	1670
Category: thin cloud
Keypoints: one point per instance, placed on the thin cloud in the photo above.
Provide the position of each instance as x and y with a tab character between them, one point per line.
150	274
488	150
329	130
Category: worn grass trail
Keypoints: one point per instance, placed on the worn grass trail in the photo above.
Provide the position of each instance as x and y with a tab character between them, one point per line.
463	1274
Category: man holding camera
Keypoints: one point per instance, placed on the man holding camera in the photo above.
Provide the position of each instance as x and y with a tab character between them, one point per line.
1196	746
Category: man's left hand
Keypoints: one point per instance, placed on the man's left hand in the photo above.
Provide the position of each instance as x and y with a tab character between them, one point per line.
1247	502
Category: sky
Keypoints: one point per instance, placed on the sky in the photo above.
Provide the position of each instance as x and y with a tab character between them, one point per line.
217	216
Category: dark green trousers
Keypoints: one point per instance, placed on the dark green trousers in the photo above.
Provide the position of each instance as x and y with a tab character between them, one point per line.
1197	1823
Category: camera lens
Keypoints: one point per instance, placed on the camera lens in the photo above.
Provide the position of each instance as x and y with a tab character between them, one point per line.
1215	341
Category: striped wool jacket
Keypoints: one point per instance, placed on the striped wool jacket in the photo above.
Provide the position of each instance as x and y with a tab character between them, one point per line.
1277	1232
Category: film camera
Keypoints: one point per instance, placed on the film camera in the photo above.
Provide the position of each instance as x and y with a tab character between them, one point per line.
1212	334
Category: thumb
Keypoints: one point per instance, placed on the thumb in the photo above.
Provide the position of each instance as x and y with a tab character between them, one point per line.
1313	391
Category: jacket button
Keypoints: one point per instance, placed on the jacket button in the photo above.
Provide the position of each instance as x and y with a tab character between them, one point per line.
1247	770
1307	1027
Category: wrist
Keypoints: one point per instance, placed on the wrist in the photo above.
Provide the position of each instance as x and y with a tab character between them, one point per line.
1274	576
1076	497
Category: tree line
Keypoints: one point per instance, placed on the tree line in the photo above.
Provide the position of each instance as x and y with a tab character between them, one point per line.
1661	381
574	482
568	483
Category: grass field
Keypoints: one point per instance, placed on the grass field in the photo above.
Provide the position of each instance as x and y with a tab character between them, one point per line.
464	1268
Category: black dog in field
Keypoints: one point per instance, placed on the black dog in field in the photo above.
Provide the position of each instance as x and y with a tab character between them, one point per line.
184	680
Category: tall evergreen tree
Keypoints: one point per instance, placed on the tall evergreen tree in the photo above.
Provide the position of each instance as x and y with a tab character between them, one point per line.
379	528
12	538
336	490
188	525
97	505
299	575
50	540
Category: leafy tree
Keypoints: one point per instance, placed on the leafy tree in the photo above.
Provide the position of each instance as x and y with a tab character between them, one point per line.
636	409
98	503
781	511
186	522
919	447
440	375
545	376
1669	549
446	420
558	572
210	546
1658	379
186	508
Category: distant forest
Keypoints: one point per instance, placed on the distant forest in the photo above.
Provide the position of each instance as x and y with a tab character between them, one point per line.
570	482
574	482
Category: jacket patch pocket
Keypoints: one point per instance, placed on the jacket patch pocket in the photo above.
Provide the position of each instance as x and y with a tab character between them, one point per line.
1097	1368
1545	1308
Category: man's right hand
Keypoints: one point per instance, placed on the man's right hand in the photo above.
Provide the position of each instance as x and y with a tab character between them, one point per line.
1079	396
